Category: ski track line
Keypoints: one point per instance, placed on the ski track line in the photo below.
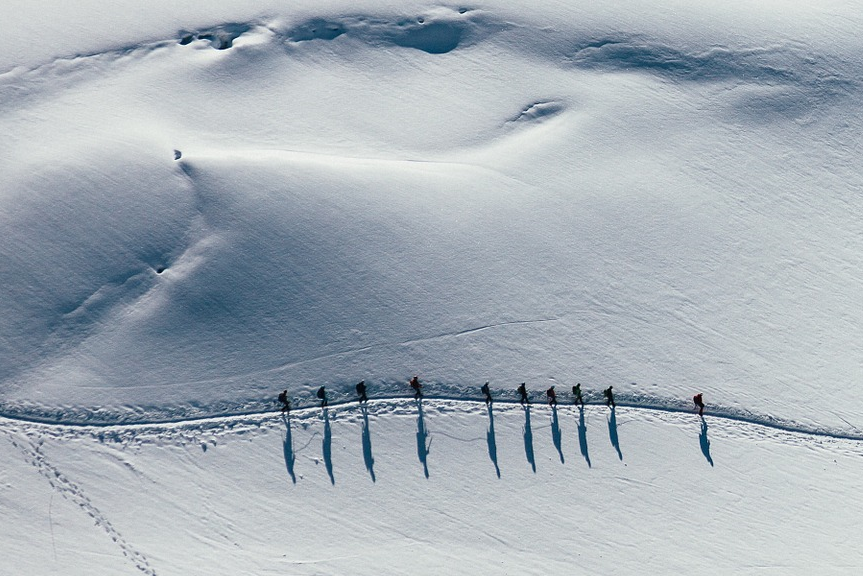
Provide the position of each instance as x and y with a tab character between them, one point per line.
718	412
61	484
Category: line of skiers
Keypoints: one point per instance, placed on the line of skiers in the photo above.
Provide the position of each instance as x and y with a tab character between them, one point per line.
416	386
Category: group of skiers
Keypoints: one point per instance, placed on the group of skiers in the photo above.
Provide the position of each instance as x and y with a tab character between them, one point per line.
578	399
416	386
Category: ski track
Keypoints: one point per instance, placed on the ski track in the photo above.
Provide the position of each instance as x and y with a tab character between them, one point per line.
62	484
185	429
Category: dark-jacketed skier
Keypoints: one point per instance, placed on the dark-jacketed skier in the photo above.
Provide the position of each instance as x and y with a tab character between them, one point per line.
361	392
522	389
576	394
699	403
485	390
322	394
286	404
609	396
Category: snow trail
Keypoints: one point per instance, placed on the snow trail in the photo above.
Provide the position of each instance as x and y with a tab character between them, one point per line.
103	420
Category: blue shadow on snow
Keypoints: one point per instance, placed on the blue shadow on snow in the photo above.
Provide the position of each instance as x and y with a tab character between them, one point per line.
492	443
528	439
367	443
328	446
556	436
582	436
423	443
704	441
288	447
612	432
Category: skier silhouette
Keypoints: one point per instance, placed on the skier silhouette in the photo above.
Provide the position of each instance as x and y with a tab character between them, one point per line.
699	403
522	389
609	396
576	392
415	384
322	394
552	397
286	404
487	392
361	391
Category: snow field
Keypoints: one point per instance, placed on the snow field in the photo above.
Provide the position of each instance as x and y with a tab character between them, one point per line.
663	197
228	484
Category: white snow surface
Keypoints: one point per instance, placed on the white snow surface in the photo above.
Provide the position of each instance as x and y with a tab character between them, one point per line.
204	203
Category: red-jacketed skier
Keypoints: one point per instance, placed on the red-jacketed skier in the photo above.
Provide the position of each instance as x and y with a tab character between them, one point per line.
415	384
552	396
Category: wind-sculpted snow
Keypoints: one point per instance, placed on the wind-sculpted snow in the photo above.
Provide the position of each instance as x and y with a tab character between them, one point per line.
292	199
438	33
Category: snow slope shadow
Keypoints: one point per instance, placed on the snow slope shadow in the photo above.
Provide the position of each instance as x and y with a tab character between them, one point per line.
433	37
612	432
288	448
582	436
704	441
423	443
556	435
492	443
328	446
528	440
367	443
439	32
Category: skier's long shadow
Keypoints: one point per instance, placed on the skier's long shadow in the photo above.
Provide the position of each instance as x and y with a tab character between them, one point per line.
288	447
528	439
492	444
328	446
423	447
612	432
582	435
704	441
367	443
555	432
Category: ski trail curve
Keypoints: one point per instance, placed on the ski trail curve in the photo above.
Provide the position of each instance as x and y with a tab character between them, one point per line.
639	404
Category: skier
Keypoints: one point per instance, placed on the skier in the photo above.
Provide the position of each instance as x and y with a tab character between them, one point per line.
523	391
415	384
552	397
487	392
286	404
361	391
576	392
699	403
322	394
609	396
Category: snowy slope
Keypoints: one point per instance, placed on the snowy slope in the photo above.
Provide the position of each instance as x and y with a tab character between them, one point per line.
348	493
205	203
465	194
